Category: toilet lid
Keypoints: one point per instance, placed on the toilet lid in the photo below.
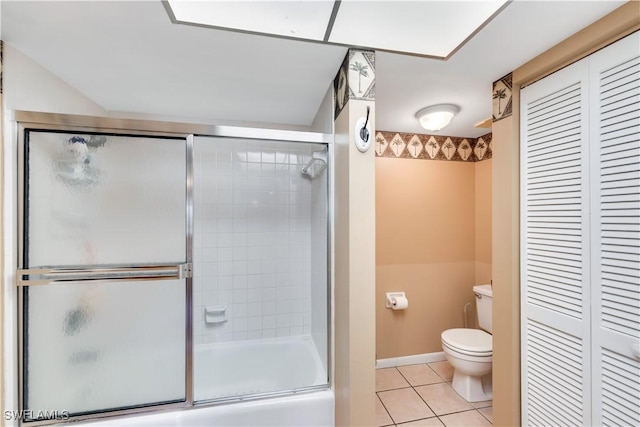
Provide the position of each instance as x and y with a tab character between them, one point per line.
468	340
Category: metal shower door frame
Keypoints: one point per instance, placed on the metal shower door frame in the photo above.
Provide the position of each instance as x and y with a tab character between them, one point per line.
27	120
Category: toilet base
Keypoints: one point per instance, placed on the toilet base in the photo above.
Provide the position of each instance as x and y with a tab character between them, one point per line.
473	388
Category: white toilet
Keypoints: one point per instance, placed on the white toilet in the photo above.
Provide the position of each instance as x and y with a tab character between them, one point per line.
470	351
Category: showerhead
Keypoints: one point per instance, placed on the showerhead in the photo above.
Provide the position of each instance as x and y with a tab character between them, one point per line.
315	166
73	166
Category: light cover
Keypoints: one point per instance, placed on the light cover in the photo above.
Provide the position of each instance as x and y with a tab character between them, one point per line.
429	28
437	117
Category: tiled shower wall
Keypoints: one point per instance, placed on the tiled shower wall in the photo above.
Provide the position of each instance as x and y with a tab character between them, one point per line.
252	239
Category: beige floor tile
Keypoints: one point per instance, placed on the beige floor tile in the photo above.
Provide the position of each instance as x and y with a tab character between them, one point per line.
465	419
389	379
429	422
405	405
483	404
443	399
382	416
444	369
419	374
487	413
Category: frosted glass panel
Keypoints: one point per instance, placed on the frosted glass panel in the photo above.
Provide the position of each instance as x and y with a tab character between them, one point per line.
92	347
104	199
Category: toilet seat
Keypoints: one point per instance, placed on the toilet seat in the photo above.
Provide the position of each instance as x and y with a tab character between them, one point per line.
473	342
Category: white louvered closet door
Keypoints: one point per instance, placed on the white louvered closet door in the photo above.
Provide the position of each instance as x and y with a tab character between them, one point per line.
555	250
615	257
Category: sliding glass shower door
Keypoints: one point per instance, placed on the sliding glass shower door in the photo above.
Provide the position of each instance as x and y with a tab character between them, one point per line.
103	272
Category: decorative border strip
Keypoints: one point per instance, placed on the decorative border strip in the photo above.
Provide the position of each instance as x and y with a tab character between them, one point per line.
433	147
502	90
356	78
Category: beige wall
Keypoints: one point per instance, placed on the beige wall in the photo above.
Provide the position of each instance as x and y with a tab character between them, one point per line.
506	291
354	270
427	245
506	158
483	226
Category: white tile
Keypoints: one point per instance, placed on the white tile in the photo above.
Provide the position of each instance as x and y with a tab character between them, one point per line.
254	323
239	296
240	225
269	308
254	309
225	196
283	332
288	306
209	254
240	325
254	335
254	253
239	268
268	267
224	211
240	281
254	281
254	267
269	294
225	240
238	310
296	330
225	254
269	322
240	336
254	295
225	268
209	240
296	319
239	253
268	333
210	298
225	282
283	321
225	297
239	239
269	280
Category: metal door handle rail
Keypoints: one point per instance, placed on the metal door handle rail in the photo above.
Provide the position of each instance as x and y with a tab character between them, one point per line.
50	276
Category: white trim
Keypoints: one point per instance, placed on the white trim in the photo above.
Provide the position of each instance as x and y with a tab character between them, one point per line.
410	360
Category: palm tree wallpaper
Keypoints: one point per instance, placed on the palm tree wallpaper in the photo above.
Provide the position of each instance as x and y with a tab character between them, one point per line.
432	147
355	79
502	98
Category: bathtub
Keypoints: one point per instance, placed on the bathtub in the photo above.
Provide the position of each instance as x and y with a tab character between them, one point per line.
251	368
256	367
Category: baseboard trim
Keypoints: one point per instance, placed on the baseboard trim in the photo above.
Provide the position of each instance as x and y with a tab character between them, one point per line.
410	360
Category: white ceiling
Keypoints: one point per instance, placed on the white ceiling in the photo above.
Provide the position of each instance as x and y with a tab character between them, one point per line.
391	25
129	56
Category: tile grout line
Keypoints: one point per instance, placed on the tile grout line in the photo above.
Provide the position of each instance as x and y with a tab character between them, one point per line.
385	408
416	392
473	408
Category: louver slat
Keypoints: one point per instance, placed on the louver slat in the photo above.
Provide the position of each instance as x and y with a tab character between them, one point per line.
554	126
616	208
553	253
620	128
554	372
620	389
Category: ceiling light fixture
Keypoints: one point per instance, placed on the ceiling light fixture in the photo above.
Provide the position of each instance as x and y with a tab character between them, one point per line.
437	117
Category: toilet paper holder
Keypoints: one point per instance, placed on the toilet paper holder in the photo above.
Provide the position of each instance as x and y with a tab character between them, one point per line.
391	297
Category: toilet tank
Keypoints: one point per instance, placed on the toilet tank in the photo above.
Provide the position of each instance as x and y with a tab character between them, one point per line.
484	302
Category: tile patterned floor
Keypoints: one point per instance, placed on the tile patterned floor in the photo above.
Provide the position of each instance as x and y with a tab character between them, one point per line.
422	396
